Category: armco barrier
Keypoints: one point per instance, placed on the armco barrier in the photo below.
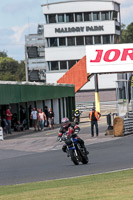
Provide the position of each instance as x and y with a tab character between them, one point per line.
128	124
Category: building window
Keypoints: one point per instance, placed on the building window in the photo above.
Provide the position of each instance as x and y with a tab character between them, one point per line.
48	42
54	65
117	28
71	63
80	40
87	16
111	39
97	39
63	65
116	39
52	18
41	51
106	39
105	16
53	42
49	66
47	19
32	52
88	40
96	16
62	41
78	17
60	17
71	41
69	17
115	15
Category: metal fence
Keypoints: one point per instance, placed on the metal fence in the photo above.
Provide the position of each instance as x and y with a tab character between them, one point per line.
105	107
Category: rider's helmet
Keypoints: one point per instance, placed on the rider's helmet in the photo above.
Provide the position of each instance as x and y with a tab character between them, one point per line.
65	122
76	111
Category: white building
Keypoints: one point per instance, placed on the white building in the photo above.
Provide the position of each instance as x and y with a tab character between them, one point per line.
35	56
70	26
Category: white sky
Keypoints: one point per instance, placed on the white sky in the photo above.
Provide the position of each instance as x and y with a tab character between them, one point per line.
21	17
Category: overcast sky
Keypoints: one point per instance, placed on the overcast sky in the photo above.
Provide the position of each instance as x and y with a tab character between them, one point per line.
21	17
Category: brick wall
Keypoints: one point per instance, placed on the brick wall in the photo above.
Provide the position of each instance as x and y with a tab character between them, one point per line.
90	96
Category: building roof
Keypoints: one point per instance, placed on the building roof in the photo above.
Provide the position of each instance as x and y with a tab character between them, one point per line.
69	1
17	92
33	83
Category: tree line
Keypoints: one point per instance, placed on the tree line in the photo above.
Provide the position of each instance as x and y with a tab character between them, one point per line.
12	70
126	33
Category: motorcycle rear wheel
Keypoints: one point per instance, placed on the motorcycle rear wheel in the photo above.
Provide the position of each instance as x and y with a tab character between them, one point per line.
73	157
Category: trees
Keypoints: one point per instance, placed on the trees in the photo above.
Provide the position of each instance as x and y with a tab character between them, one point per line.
3	54
10	69
127	33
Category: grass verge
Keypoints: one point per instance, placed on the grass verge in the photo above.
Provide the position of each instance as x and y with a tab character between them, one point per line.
110	186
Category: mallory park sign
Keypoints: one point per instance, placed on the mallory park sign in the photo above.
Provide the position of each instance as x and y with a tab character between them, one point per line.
111	58
79	29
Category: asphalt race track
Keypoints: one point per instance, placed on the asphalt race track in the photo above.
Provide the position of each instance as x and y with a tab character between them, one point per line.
18	167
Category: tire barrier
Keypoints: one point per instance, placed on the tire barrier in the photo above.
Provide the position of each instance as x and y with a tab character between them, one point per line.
118	128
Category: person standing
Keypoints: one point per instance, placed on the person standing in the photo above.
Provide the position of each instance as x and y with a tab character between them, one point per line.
34	118
4	124
30	110
94	117
51	118
9	119
46	113
22	114
41	118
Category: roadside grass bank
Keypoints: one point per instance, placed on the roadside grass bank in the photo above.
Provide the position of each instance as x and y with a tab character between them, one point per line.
109	186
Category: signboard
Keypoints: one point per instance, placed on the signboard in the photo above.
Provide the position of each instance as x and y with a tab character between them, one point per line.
79	29
109	58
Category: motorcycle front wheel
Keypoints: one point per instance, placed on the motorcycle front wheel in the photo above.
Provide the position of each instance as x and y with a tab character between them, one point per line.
73	157
84	157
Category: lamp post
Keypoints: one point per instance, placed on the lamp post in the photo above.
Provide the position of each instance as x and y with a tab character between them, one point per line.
97	102
26	66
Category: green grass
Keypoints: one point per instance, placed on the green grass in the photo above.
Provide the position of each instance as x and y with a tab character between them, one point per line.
110	186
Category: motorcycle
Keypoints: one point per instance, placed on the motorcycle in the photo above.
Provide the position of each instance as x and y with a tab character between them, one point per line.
74	149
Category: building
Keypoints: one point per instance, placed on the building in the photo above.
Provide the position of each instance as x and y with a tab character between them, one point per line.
36	66
69	27
61	98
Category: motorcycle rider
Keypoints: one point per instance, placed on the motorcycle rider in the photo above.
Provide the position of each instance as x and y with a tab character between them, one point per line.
73	130
77	116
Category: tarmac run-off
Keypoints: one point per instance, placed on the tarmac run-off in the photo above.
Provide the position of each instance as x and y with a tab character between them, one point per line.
30	141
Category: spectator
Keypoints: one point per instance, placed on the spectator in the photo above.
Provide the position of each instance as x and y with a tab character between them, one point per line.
94	117
22	114
14	119
51	118
46	113
18	126
30	110
4	124
38	123
34	118
9	118
41	118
